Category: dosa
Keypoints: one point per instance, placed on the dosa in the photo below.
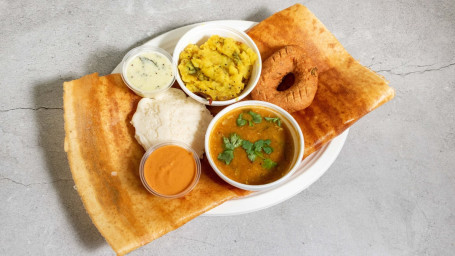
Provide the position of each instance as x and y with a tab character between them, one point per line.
104	156
104	160
346	89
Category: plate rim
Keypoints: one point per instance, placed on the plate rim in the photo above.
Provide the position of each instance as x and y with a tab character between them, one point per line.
311	169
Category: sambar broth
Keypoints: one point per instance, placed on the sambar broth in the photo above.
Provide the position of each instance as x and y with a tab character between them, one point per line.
241	169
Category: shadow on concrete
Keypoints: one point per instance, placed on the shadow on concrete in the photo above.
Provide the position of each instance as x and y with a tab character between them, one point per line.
48	99
105	60
259	15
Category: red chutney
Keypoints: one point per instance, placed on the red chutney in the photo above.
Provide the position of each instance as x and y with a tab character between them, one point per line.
170	170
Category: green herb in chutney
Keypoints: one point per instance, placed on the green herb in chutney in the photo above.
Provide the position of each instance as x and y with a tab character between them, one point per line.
144	59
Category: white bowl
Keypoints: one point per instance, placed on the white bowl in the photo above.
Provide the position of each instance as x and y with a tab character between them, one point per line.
200	35
288	120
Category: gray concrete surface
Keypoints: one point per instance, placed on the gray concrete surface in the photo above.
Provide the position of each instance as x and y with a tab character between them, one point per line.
391	191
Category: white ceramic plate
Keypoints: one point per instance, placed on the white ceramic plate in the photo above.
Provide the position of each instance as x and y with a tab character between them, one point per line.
313	167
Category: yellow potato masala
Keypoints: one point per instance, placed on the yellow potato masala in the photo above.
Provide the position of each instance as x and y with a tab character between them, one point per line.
219	69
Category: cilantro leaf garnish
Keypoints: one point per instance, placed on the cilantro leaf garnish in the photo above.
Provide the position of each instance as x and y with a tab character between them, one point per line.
232	142
269	164
267	148
229	144
248	146
240	120
275	120
258	145
226	156
236	140
255	149
256	117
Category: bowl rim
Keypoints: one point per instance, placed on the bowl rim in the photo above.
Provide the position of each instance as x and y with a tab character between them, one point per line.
250	43
160	145
247	103
131	54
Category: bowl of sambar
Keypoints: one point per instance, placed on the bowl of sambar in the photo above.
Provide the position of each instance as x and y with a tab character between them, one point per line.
254	145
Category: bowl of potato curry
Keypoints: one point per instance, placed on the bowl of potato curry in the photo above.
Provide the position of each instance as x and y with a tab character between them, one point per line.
254	145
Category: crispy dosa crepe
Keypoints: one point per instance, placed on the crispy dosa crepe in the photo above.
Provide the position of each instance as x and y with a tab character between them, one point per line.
104	158
346	89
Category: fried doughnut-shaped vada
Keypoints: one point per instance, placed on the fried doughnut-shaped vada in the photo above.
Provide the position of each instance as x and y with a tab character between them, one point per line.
289	59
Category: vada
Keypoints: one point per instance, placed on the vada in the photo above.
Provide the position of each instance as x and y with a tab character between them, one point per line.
289	79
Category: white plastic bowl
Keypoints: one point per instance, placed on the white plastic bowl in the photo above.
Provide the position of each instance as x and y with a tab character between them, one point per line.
163	144
288	120
133	53
200	35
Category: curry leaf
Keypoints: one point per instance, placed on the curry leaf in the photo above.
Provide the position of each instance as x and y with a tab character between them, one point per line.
314	71
145	59
236	57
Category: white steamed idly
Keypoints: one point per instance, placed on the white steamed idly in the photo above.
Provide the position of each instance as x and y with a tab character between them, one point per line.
171	116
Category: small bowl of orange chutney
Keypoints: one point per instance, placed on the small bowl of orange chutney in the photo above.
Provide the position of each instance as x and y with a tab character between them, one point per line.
170	169
254	145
